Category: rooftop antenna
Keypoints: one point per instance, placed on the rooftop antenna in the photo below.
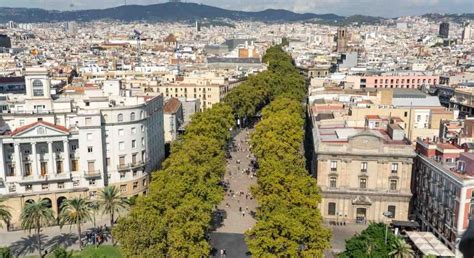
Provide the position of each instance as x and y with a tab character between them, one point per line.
138	37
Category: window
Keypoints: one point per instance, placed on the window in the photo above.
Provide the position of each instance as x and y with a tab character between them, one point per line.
144	183
394	167
121	146
120	132
74	165
91	166
120	118
75	183
132	116
123	188
90	149
60	185
143	142
134	143
332	208
135	185
29	187
44	186
59	166
107	161
333	182
363	167
142	114
22	122
38	88
92	182
88	121
134	130
392	209
143	128
333	165
393	184
122	175
363	183
89	136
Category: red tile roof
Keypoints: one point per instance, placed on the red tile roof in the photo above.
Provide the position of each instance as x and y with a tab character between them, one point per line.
171	106
27	127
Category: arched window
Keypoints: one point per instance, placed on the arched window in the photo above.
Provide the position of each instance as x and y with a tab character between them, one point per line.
38	88
120	118
132	116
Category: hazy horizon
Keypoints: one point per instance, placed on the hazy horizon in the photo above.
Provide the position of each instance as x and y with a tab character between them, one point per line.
384	8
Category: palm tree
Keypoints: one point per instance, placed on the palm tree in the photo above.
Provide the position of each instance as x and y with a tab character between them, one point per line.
36	215
75	211
95	206
112	203
5	214
401	249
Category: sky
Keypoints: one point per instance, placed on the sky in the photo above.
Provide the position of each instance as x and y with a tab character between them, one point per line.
385	8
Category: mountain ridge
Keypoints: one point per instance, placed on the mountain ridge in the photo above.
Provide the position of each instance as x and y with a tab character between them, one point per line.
190	12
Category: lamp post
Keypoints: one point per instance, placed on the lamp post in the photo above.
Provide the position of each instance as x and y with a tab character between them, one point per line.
387	214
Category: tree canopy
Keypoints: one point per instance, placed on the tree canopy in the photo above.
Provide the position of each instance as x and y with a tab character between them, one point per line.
371	243
174	218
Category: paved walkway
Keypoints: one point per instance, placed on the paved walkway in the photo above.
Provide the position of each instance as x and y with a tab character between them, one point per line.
22	243
238	206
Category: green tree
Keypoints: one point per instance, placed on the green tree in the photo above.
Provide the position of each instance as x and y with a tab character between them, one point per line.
5	252
401	249
61	252
112	203
5	214
35	215
75	211
370	243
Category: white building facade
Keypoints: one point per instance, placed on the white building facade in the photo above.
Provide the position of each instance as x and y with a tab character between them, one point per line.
76	143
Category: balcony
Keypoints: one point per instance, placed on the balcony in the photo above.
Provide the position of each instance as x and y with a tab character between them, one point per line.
138	164
92	174
123	167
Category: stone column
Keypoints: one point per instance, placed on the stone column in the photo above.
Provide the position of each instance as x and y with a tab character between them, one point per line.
17	158
34	167
67	158
2	161
51	162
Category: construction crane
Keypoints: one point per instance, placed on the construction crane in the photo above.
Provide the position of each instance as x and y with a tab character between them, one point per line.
138	37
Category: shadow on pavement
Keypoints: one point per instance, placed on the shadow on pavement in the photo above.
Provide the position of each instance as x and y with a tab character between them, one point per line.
26	245
218	217
65	240
233	244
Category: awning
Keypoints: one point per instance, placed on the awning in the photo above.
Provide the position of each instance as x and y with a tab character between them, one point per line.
428	244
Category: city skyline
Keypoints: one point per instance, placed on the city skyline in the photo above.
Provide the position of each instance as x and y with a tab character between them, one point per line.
384	8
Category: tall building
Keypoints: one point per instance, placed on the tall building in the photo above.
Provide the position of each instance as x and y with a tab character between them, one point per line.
467	33
444	30
443	188
362	173
58	146
342	39
5	41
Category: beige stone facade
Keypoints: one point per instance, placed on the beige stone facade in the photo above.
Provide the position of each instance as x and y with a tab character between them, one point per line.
362	174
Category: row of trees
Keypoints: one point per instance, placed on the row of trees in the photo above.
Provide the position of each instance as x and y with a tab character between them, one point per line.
289	223
174	218
76	211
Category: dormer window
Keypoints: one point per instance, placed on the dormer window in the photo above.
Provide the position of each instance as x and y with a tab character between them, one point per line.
38	90
461	166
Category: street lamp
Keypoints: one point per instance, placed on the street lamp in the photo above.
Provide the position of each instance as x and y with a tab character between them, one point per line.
387	214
